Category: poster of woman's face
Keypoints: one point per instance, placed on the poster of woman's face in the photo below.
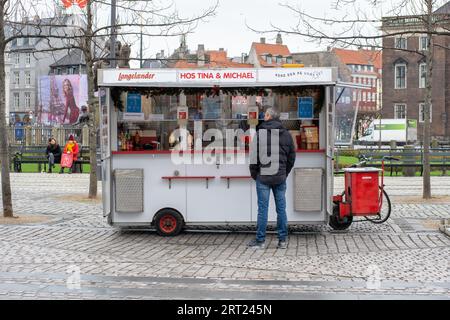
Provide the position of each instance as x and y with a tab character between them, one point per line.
58	96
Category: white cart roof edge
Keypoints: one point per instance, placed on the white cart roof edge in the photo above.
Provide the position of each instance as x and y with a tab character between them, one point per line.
227	78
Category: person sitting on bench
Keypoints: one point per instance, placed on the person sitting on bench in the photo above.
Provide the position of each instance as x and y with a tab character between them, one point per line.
53	154
71	147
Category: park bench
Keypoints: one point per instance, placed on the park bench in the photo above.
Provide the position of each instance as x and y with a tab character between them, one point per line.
37	155
410	158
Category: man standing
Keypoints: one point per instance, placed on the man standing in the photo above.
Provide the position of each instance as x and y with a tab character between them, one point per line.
272	159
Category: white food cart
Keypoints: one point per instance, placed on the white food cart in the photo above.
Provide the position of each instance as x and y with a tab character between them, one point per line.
146	184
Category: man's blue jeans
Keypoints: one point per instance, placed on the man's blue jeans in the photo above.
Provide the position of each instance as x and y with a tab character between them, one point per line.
263	193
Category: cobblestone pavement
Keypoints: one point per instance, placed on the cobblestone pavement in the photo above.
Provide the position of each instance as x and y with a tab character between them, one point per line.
405	258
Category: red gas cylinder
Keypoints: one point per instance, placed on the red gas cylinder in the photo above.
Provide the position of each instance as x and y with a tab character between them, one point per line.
362	190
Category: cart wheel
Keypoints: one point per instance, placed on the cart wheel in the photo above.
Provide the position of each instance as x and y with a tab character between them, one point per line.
168	223
385	211
337	223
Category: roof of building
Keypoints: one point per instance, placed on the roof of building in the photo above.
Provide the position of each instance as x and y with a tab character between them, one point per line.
360	57
272	49
445	9
213	59
74	57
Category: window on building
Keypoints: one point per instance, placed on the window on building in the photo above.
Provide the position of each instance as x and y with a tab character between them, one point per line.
401	43
354	96
16	100
400	111
269	58
400	76
16	78
28	58
16	58
58	71
364	96
27	100
423	43
27	78
279	59
289	60
422	75
26	41
422	112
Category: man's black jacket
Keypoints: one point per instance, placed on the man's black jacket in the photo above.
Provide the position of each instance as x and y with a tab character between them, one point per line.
286	150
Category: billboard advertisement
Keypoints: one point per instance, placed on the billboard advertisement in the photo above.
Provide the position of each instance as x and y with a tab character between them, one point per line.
61	98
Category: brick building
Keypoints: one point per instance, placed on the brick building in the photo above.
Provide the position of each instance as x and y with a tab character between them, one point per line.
404	73
366	69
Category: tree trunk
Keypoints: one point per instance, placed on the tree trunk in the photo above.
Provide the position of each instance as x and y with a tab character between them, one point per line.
4	152
428	104
92	101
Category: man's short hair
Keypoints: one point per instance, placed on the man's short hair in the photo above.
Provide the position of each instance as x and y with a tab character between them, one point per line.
273	113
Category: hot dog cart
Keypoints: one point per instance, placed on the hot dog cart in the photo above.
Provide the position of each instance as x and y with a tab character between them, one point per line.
165	164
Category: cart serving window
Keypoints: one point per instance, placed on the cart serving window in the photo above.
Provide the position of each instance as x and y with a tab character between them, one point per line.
179	144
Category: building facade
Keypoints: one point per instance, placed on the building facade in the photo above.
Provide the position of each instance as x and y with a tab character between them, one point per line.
30	59
268	55
405	71
201	58
365	67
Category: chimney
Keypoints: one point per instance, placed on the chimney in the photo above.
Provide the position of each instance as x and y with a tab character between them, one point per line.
221	49
262	40
279	39
201	55
243	57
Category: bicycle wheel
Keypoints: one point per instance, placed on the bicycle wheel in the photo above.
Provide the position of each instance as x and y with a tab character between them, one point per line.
385	211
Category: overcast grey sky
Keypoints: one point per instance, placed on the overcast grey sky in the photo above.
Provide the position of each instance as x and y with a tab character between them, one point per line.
228	28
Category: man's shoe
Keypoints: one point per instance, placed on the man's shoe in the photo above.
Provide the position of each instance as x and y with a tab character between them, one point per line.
256	244
282	244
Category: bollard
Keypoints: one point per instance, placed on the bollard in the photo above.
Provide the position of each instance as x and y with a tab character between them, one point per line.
409	158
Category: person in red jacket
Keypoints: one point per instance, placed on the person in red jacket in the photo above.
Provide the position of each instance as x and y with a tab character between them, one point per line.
71	147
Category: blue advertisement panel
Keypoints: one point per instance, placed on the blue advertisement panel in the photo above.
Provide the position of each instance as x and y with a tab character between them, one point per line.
134	102
306	108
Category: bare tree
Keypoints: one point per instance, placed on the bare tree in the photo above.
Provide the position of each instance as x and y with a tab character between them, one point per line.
358	23
4	154
9	10
137	18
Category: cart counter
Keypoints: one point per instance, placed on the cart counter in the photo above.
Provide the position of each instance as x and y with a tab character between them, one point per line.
214	193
